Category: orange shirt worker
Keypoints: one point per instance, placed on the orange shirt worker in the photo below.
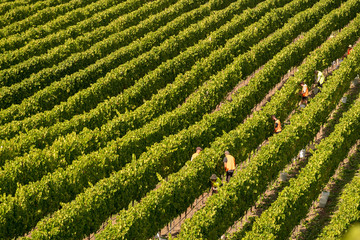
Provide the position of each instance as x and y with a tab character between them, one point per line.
304	93
277	125
229	164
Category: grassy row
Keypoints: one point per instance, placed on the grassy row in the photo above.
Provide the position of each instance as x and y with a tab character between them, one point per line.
18	10
158	208
54	180
124	191
42	17
184	85
69	57
294	201
235	198
71	25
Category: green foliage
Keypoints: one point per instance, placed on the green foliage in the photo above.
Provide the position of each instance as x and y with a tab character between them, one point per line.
99	180
107	52
51	11
166	99
233	199
348	213
18	10
187	184
294	201
152	161
35	34
191	181
60	175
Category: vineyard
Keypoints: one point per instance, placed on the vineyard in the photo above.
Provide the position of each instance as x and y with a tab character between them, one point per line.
103	103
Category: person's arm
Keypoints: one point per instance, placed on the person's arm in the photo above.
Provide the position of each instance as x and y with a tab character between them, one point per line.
225	161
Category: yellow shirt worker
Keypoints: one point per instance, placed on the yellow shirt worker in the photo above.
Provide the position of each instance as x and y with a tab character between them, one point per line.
198	150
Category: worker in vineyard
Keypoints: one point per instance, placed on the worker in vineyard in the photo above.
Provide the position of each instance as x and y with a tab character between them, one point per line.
320	78
349	49
304	93
198	150
215	183
229	164
277	125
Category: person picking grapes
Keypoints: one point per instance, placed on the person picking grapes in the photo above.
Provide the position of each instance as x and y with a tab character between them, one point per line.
304	93
229	164
277	125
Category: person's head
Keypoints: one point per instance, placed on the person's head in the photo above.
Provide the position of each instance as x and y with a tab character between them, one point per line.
273	117
213	177
350	46
302	84
316	71
227	152
198	149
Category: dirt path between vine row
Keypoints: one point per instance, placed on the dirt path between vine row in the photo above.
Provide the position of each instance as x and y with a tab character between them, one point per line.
317	217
